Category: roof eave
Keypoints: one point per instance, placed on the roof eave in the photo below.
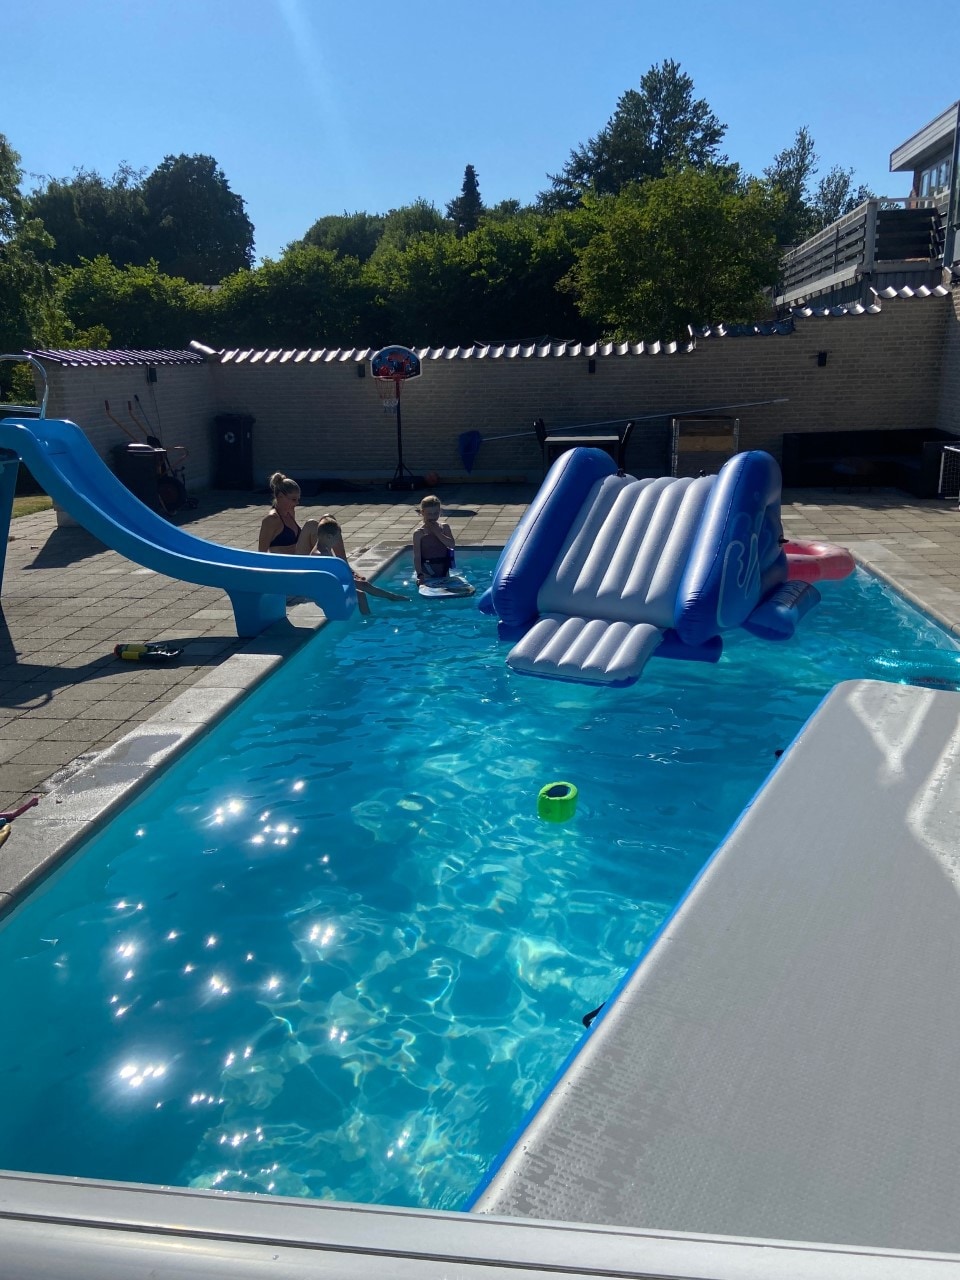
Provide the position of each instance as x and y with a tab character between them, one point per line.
926	143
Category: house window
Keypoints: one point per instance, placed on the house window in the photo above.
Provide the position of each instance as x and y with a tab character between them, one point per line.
934	179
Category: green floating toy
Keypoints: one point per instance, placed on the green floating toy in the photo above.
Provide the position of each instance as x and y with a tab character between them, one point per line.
557	802
146	651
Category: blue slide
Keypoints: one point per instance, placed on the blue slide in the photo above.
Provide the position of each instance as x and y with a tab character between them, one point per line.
69	469
605	571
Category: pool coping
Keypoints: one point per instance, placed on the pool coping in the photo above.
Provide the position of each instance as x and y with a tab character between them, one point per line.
84	1229
912	597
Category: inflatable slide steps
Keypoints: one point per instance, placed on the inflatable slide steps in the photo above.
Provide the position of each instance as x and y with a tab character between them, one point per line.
622	560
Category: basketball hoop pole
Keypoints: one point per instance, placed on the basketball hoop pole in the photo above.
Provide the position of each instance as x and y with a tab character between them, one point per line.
401	476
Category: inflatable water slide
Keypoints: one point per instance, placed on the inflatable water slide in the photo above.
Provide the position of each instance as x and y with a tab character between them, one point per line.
69	469
605	571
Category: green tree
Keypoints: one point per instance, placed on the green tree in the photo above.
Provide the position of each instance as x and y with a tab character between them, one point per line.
11	201
654	129
139	307
517	266
500	282
411	222
427	290
836	195
505	209
307	298
89	215
348	235
808	209
29	311
790	174
690	248
466	209
197	228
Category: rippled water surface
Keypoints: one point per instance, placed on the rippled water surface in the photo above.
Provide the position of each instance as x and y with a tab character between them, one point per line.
333	951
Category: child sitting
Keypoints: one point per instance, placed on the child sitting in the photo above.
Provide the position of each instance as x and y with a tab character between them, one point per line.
433	543
330	543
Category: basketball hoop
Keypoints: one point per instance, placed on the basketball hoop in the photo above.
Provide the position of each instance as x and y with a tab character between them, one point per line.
391	367
388	389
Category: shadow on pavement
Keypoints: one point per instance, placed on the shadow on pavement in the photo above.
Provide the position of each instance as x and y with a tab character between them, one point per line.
32	680
65	547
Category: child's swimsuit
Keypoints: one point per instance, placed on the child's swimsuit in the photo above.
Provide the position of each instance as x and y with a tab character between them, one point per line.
440	563
287	537
436	566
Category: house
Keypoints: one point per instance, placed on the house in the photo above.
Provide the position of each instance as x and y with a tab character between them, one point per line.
929	156
888	242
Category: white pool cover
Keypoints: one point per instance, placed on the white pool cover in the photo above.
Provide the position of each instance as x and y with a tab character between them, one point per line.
785	1063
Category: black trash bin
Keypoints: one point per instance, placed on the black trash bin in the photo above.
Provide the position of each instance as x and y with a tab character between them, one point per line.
233	451
138	466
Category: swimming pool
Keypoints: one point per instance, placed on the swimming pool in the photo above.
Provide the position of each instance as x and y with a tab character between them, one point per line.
333	952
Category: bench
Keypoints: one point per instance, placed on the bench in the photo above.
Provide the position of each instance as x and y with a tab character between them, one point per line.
902	458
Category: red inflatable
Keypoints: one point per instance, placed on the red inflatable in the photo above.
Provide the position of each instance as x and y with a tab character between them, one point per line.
817	562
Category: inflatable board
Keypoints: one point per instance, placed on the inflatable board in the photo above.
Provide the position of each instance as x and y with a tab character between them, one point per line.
453	586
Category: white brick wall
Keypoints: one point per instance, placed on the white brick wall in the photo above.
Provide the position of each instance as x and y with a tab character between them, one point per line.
321	419
180	402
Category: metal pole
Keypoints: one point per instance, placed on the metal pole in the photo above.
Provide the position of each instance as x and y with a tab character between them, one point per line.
399	474
953	204
402	477
648	417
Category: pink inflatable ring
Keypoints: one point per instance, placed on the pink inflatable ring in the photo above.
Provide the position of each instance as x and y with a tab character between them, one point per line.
817	562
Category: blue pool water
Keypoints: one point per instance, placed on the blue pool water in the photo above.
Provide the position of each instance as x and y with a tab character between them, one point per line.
333	952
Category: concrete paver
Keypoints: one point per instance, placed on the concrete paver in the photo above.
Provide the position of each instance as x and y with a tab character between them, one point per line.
67	600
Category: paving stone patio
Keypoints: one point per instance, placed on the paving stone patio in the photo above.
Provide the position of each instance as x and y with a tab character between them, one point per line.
67	600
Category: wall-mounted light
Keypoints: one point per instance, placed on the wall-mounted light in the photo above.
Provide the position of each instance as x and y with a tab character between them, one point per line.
821	359
151	374
361	370
591	366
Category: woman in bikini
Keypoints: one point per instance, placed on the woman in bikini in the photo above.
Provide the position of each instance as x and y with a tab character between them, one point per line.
279	531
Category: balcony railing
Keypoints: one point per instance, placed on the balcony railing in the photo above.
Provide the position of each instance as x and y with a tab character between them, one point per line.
882	234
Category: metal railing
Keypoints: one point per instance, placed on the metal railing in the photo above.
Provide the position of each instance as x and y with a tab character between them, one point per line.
879	231
22	409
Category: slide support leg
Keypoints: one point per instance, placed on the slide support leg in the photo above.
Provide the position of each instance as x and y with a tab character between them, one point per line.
9	466
255	611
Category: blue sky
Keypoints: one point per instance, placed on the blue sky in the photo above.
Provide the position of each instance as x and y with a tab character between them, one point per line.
313	107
